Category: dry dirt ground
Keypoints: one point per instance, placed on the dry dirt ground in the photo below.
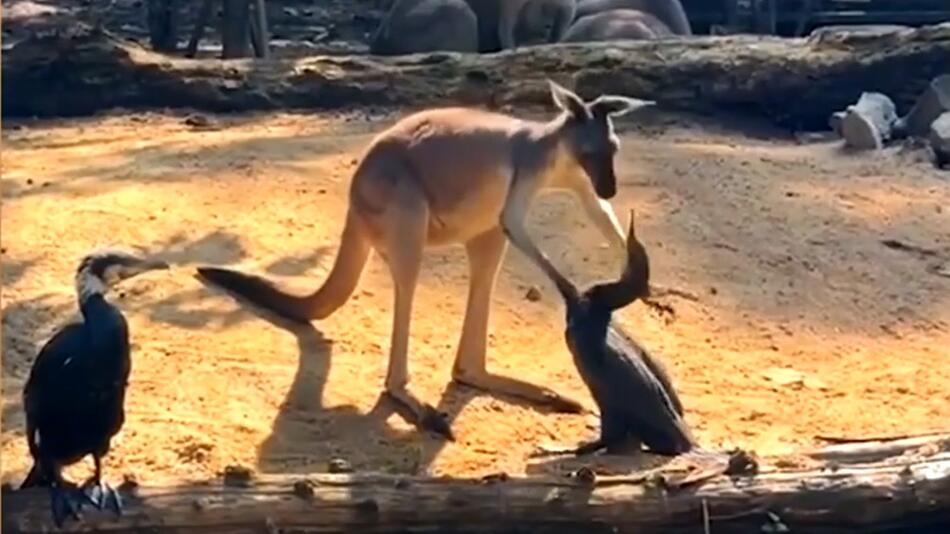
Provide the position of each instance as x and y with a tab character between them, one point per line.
807	323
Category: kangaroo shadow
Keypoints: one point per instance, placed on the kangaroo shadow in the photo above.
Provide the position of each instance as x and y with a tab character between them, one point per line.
307	432
13	270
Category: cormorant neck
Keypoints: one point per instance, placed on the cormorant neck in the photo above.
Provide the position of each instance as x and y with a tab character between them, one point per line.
89	285
591	321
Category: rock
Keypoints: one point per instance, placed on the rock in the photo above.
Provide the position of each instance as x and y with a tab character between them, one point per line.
934	101
784	376
304	489
533	294
940	139
867	124
199	121
339	465
237	476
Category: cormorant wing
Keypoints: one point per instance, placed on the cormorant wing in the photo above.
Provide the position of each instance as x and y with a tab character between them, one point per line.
51	371
646	393
623	340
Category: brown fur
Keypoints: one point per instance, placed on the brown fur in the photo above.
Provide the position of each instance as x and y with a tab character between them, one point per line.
458	176
504	24
413	26
670	12
616	24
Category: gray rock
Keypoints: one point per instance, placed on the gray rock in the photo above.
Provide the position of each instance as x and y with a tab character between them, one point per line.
934	101
867	124
940	139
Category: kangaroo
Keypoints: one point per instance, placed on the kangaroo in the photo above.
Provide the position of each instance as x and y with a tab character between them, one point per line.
458	176
616	24
413	26
500	22
543	21
633	391
670	12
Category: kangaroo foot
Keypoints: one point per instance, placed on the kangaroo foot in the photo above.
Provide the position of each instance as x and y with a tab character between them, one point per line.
523	390
423	416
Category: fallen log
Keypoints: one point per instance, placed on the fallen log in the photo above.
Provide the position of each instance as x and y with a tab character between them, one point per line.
906	494
797	82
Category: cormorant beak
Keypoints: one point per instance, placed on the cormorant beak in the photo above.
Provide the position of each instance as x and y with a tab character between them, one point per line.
154	265
141	266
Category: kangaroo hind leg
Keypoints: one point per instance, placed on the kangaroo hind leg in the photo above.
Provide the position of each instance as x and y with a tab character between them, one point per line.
403	228
485	253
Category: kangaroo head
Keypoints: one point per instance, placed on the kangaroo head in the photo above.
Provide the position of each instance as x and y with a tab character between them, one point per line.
589	133
634	283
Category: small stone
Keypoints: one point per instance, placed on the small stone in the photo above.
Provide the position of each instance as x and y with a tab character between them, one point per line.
533	294
303	489
237	476
585	475
339	465
201	122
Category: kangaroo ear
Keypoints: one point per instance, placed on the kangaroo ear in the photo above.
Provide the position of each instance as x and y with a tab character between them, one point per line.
631	231
632	242
616	106
567	100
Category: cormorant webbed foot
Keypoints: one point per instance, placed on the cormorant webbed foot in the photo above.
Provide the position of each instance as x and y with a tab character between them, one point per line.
65	502
100	495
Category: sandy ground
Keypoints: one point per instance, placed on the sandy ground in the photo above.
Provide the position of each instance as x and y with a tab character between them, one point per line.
807	324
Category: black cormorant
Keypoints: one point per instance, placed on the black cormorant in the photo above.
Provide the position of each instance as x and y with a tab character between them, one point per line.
635	396
75	393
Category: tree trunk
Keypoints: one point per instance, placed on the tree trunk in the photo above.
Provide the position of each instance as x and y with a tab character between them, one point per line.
163	25
909	493
236	29
796	82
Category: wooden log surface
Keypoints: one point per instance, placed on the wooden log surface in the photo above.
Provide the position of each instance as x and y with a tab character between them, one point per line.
908	493
797	82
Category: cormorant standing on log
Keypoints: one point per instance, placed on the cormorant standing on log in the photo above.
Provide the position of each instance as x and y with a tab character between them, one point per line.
74	396
633	391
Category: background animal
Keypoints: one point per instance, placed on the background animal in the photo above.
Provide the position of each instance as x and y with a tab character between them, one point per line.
633	391
543	21
75	393
413	26
670	12
616	24
458	176
501	23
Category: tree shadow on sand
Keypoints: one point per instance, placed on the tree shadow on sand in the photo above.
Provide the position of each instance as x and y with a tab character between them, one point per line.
27	324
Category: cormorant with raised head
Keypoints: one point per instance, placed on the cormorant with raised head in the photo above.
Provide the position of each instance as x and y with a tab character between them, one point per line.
74	396
634	393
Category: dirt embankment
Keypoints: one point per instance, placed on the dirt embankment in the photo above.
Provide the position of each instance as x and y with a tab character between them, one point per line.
807	323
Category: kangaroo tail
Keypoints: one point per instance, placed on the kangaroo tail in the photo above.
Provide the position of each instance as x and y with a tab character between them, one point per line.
355	248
